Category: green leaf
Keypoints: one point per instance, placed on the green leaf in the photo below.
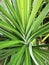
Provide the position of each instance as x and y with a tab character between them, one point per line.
19	25
9	23
44	51
5	21
33	13
5	61
16	56
5	44
38	21
38	58
22	11
27	58
14	13
7	52
8	34
42	55
32	55
40	17
42	30
9	17
7	14
28	8
9	28
16	8
12	9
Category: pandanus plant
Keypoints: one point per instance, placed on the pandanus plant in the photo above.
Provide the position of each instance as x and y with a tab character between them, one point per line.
20	26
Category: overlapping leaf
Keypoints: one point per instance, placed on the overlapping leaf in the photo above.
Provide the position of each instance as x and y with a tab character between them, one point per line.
18	23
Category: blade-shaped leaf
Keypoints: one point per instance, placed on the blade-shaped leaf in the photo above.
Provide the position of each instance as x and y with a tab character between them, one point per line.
38	58
27	58
16	56
14	12
5	53
9	28
41	17
8	34
9	17
38	21
33	13
5	44
32	55
42	30
42	55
